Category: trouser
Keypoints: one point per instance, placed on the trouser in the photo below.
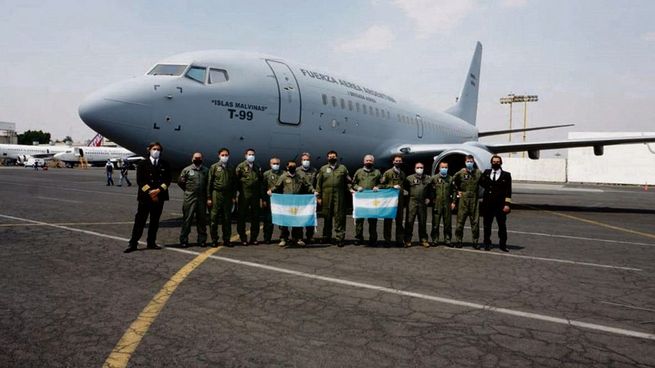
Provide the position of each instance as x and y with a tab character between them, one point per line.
145	209
221	209
191	208
441	213
248	211
124	177
416	210
468	207
296	233
110	180
339	217
267	222
309	232
399	222
501	218
372	229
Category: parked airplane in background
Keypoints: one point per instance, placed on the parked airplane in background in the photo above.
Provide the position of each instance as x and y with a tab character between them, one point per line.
202	101
95	154
22	153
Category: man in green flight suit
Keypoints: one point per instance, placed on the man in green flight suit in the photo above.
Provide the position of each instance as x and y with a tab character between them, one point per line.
249	181
443	193
367	177
193	181
291	183
418	186
220	197
466	183
308	172
332	184
395	178
271	178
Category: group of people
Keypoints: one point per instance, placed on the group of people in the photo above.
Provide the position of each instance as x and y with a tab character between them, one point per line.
220	187
109	170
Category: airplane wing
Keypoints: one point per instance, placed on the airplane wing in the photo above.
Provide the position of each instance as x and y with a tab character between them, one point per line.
597	143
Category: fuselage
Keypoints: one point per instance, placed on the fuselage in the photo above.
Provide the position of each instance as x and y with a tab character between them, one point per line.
23	152
93	155
215	99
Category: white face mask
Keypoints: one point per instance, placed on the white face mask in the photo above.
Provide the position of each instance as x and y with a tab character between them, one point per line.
419	171
155	154
275	167
224	159
250	158
305	164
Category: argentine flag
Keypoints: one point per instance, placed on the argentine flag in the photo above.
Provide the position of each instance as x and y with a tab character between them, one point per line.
380	204
297	210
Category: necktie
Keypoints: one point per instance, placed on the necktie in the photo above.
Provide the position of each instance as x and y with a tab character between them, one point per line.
495	175
158	160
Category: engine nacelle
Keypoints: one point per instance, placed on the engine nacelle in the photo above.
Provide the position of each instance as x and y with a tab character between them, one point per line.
456	157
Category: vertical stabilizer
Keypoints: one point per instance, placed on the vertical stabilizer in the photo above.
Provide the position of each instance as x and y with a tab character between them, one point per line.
466	107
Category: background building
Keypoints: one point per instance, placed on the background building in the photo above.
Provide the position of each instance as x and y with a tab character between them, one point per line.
8	133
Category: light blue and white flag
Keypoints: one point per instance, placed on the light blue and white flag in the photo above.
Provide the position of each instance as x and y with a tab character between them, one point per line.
380	204
297	210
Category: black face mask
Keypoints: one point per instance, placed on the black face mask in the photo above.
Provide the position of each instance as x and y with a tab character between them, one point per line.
197	162
397	164
332	161
368	166
495	166
291	169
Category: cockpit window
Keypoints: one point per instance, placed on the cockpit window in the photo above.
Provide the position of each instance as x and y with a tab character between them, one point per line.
167	69
217	76
197	74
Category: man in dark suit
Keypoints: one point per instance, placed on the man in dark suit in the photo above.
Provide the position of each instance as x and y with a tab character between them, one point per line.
153	177
496	200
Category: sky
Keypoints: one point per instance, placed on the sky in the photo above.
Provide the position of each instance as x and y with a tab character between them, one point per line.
591	62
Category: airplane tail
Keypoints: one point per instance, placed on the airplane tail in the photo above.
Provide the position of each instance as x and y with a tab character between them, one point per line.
466	107
96	141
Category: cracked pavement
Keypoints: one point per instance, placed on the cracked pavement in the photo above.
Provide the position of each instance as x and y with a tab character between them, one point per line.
68	297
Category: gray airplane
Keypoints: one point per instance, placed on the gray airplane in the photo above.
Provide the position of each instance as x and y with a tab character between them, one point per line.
201	101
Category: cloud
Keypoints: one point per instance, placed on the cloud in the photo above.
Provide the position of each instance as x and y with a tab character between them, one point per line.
435	16
648	36
376	38
514	3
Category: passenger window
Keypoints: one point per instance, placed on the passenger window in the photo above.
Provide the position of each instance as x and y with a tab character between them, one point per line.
364	108
197	74
350	105
357	106
377	112
370	110
343	103
324	99
334	101
167	69
217	76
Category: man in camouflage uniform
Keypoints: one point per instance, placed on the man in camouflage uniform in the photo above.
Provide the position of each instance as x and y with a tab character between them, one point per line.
395	178
332	184
466	183
308	172
193	181
291	183
250	181
271	178
443	194
365	178
418	186
220	197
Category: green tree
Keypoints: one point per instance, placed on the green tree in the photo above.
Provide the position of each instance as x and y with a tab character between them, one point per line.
30	136
68	139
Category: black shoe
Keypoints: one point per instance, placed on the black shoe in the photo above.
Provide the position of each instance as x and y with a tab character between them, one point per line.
254	242
184	245
154	246
229	244
357	242
372	243
487	246
268	241
202	244
459	245
476	246
130	249
340	243
215	244
504	248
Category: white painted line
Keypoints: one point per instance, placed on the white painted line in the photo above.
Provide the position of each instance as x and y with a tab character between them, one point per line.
461	303
556	260
628	306
59	199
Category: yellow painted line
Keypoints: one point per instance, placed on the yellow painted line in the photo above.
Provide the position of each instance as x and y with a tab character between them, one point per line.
70	223
120	356
597	223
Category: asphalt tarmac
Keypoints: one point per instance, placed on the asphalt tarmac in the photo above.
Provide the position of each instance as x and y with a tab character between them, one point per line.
576	289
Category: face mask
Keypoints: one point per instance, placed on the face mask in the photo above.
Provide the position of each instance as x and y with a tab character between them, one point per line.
305	164
197	162
419	171
155	154
443	171
250	158
469	165
275	167
224	159
291	169
397	164
495	166
368	166
332	161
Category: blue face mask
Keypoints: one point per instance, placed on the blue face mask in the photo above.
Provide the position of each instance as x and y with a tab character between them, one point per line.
443	171
469	165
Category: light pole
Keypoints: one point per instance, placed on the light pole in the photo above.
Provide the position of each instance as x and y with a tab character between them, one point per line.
512	99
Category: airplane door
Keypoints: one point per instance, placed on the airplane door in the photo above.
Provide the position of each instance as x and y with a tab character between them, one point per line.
419	126
289	93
